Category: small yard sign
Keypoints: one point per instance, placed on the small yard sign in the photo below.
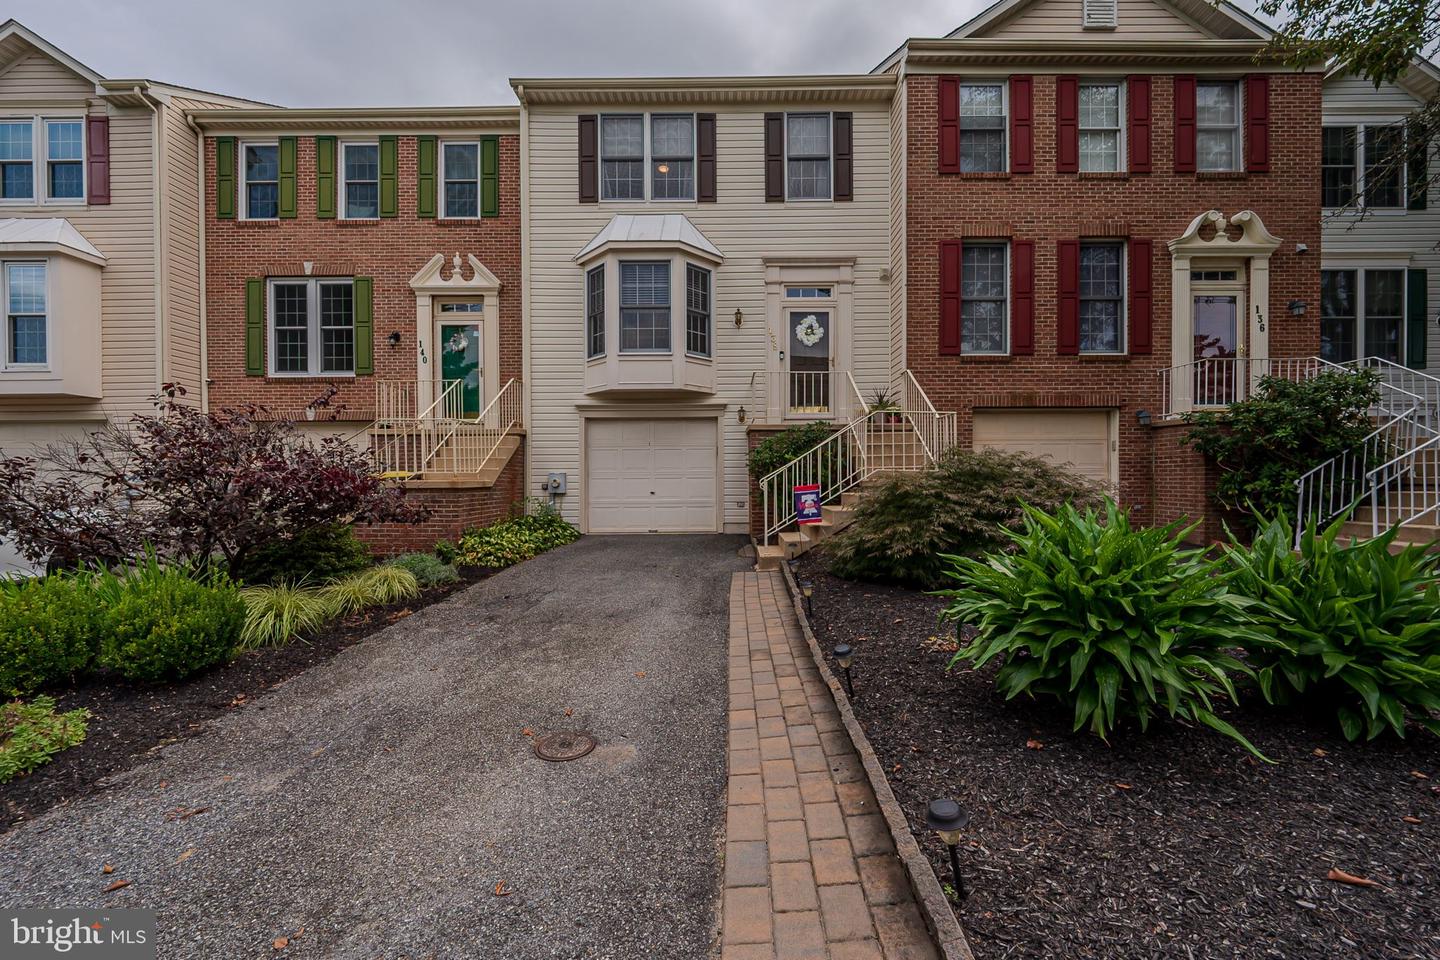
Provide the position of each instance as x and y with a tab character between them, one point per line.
807	503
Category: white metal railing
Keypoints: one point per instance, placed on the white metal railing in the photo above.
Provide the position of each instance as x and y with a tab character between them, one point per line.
467	444
938	432
810	392
439	438
861	405
1216	382
1421	385
1406	488
1342	482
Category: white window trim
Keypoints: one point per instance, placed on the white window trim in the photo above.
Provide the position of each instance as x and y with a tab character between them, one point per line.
669	263
1004	351
440	208
710	310
1362	129
647	186
40	161
1004	86
1237	129
1360	267
244	178
1124	248
5	364
604	340
345	180
1122	156
830	121
312	326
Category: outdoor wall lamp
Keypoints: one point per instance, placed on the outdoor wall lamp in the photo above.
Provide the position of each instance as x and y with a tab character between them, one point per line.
741	414
807	588
1144	417
947	818
394	338
1297	308
845	656
739	316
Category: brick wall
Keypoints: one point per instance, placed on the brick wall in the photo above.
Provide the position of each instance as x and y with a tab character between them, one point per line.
1183	480
390	250
1046	207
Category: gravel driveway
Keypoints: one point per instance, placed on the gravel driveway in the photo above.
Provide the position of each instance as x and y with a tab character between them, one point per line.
377	800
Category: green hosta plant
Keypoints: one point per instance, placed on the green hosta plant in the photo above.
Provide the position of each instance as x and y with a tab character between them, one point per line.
1357	628
1116	622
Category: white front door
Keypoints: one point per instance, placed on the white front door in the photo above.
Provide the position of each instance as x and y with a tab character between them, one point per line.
651	476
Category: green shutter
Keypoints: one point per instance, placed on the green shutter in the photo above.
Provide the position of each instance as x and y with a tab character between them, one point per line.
255	327
365	324
489	176
1417	319
389	168
225	178
425	184
325	178
287	178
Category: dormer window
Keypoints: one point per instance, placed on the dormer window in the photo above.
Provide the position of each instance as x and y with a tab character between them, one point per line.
1101	14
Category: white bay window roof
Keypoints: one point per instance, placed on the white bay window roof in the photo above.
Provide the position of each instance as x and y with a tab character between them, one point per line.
44	236
650	230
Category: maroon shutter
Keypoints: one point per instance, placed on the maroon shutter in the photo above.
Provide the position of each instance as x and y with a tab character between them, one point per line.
589	158
1257	123
774	158
705	157
1067	124
1139	101
1022	125
1184	124
1022	297
844	124
949	124
1141	309
950	297
97	159
1067	334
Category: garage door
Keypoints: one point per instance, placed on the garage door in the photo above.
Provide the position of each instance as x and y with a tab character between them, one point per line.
1080	438
650	476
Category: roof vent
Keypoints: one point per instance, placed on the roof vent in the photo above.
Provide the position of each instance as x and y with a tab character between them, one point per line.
1101	14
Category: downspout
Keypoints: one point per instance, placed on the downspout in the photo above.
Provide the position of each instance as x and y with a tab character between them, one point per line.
204	264
158	233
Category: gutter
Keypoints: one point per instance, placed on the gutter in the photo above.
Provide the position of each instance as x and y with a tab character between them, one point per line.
158	230
204	264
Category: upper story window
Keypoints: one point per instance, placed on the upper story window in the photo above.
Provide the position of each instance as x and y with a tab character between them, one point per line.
595	312
1217	125
672	156
697	310
1362	165
1385	166
1337	166
56	146
982	127
622	157
262	181
1100	128
807	156
312	327
665	147
27	324
460	172
645	307
362	181
1102	297
983	282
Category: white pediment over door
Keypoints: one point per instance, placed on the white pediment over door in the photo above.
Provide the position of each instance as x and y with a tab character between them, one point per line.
432	280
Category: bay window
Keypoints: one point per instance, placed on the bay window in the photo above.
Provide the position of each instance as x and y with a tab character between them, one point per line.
312	327
645	307
983	296
595	312
26	318
697	310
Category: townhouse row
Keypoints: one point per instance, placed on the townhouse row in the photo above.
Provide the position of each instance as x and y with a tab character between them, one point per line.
1066	222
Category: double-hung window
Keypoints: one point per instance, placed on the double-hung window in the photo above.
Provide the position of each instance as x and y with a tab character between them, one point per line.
807	156
982	128
42	159
65	159
312	327
1102	298
622	157
1217	125
27	331
262	181
1362	165
1338	151
1364	309
1100	129
460	173
672	156
697	310
983	291
595	312
362	181
17	160
1385	166
645	307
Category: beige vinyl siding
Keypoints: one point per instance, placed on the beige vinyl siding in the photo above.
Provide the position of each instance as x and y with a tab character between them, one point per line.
745	228
898	249
1054	19
1388	238
37	77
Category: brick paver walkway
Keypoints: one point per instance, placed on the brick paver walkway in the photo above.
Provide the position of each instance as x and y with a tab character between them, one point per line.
810	870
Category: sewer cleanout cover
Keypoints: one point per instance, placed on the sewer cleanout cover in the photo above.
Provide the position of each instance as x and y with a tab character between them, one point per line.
563	745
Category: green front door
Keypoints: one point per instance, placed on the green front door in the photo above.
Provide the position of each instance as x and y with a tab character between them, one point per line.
460	360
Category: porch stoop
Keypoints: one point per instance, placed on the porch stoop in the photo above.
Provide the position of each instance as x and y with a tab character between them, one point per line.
793	543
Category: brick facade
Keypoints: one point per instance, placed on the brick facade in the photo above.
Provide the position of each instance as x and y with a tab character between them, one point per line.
1046	207
391	250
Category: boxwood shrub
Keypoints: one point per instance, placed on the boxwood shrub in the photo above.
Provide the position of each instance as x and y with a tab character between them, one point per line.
162	623
49	631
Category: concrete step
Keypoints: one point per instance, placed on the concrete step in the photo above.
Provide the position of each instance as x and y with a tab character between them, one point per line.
1413	532
816	532
838	516
794	543
769	557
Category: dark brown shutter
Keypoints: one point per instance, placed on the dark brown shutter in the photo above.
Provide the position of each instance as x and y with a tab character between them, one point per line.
1022	297
589	167
949	115
1257	123
1417	173
1067	334
1067	124
1139	140
1022	124
774	158
950	253
1184	124
705	157
1141	300
843	131
97	159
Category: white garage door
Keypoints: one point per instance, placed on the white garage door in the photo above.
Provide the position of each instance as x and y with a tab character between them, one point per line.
1080	438
650	476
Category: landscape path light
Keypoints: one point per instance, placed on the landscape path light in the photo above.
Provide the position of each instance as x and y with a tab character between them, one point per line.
947	818
807	587
845	655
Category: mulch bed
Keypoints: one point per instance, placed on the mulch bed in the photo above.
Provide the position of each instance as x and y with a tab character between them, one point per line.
1174	843
128	721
